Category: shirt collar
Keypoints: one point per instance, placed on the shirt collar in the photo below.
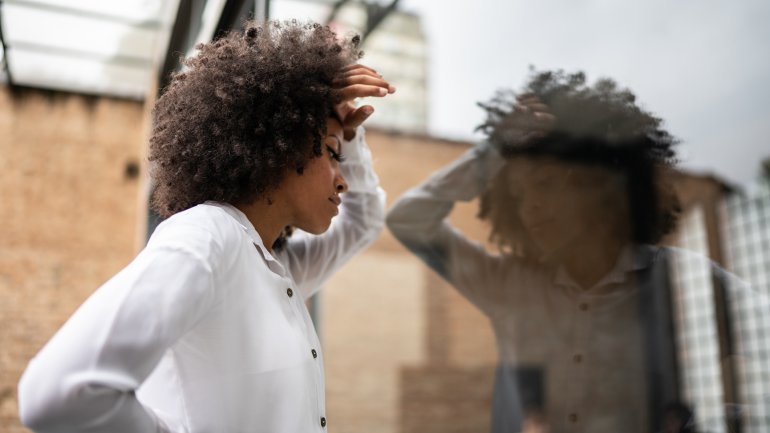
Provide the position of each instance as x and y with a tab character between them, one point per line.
247	226
632	258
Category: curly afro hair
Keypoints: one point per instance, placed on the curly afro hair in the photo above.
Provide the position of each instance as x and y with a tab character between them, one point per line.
248	108
598	125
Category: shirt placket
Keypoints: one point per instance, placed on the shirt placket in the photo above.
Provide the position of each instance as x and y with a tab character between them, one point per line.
317	359
314	348
576	361
294	298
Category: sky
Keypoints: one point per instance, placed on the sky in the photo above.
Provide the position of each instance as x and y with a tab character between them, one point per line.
703	66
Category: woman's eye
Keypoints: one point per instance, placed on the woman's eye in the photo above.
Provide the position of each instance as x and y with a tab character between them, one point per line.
334	155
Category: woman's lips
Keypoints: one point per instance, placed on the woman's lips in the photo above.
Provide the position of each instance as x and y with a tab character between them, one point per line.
336	202
540	226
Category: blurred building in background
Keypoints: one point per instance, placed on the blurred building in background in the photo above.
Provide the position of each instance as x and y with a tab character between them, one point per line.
404	351
394	44
721	318
747	249
398	49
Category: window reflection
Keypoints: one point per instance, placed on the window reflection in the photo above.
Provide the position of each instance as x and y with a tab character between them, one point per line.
599	326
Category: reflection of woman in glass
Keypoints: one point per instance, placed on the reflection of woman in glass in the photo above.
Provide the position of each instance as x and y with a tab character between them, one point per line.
207	330
570	179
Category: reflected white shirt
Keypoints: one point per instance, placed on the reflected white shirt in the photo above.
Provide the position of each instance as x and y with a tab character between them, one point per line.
205	330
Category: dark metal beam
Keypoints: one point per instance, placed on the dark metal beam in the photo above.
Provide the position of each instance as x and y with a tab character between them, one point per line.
186	26
6	66
375	14
234	14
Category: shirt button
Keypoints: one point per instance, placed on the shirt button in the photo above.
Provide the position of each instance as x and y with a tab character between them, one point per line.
583	307
290	292
323	422
578	358
573	417
315	354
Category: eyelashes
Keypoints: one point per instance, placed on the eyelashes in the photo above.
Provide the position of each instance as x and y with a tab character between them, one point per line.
335	156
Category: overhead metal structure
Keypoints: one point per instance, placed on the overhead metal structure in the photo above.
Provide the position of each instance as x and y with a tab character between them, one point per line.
84	46
124	48
375	13
109	48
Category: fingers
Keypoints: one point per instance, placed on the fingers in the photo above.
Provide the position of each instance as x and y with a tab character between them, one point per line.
545	118
358	116
357	81
534	111
361	90
536	107
531	103
368	80
531	120
357	70
538	117
358	66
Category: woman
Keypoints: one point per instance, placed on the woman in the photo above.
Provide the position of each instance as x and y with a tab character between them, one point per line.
207	330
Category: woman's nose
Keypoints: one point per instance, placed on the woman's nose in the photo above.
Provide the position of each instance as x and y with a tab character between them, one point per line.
532	209
531	205
340	184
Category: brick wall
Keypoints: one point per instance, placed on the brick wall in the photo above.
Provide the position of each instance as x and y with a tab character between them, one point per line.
70	216
405	352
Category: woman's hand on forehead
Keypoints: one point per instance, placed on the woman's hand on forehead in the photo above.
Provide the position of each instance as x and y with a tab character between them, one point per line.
532	118
358	81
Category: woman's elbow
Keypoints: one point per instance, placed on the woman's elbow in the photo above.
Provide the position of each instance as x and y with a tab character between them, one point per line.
36	402
48	404
400	227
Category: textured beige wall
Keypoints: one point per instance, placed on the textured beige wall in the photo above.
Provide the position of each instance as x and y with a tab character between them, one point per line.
70	217
372	324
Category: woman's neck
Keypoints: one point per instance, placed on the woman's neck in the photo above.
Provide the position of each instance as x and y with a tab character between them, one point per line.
589	261
267	218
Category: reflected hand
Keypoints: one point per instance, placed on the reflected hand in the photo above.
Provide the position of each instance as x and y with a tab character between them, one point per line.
532	117
357	81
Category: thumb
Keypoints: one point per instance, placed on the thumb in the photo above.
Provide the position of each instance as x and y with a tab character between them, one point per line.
358	116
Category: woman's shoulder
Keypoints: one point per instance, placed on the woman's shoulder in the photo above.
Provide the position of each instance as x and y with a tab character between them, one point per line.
206	229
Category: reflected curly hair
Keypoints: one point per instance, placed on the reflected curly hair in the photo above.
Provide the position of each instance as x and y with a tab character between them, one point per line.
248	108
599	125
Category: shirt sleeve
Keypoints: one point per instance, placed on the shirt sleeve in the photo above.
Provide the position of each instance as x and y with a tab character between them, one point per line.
314	258
418	219
85	378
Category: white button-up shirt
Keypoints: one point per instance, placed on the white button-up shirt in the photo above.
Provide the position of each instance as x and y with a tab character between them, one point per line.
206	330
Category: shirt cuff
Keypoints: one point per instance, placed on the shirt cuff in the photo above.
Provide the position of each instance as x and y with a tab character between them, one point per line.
357	168
467	177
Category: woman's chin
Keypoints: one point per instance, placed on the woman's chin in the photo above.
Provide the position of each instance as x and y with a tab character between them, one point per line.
317	228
